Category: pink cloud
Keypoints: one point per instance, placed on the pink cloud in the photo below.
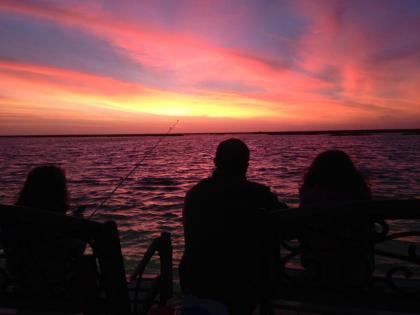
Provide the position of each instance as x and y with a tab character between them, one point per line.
189	58
343	71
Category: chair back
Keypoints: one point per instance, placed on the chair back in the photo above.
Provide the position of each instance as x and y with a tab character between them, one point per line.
98	283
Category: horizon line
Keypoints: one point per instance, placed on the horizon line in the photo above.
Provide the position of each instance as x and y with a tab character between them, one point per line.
337	132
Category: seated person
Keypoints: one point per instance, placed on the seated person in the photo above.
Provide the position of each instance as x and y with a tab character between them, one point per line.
38	260
222	237
336	251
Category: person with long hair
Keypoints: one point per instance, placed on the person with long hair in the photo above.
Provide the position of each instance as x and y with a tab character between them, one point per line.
332	177
336	251
39	260
45	188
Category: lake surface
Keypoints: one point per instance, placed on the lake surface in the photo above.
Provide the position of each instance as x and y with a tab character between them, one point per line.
151	199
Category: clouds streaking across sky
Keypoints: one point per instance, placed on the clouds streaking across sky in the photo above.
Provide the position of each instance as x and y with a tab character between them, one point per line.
137	66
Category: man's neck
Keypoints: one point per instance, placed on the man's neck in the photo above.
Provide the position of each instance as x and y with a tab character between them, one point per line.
228	175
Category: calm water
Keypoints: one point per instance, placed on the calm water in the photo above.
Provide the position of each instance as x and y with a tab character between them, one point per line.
151	200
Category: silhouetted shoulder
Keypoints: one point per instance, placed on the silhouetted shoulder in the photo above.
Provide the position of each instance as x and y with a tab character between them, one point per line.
265	192
263	189
202	184
252	193
200	188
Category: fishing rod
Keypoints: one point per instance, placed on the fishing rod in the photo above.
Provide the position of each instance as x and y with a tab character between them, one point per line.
145	156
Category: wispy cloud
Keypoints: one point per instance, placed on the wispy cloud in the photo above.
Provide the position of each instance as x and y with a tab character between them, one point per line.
281	64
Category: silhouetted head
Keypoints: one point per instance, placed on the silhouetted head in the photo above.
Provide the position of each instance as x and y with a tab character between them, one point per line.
334	169
232	157
45	188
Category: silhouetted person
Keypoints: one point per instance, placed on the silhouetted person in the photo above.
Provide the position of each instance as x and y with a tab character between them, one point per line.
332	177
45	188
336	251
222	237
37	259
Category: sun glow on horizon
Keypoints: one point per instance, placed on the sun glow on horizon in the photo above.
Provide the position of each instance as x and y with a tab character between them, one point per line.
102	67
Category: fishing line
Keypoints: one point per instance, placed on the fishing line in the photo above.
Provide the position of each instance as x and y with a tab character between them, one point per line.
145	156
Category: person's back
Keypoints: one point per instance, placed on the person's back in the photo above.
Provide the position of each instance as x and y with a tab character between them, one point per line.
336	251
38	260
222	237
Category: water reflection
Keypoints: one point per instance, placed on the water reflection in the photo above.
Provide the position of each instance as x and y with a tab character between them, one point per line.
151	200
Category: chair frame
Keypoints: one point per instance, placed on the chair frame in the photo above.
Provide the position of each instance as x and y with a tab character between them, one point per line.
104	240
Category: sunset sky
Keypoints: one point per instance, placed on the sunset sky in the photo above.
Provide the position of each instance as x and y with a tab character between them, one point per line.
76	67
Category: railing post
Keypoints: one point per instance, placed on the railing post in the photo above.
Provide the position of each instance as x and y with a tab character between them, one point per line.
165	254
108	250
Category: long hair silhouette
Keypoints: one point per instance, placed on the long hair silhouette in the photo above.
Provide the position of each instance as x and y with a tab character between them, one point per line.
334	169
45	188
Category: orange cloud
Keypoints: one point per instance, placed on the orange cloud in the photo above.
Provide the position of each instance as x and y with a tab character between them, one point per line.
74	94
332	80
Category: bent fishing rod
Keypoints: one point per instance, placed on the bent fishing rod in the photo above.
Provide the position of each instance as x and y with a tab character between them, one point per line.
136	166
